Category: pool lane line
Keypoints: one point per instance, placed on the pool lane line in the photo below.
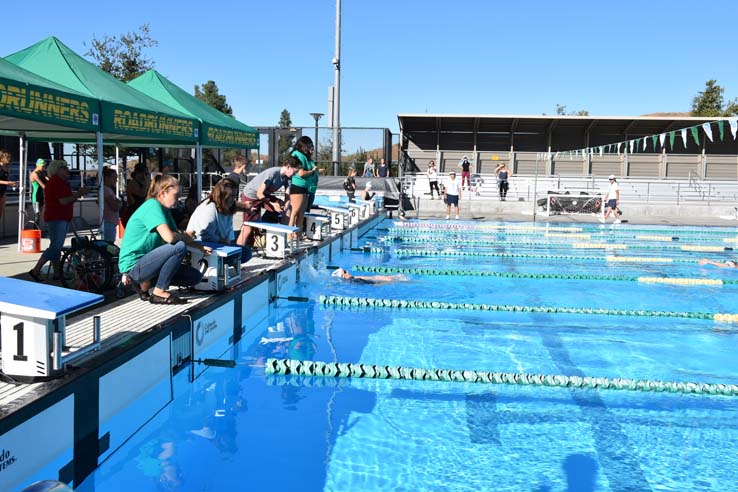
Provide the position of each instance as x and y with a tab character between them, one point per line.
552	244
397	231
594	228
470	227
489	254
542	276
372	371
411	304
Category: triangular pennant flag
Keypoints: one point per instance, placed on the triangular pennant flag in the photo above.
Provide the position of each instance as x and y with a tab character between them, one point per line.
672	136
708	130
654	139
631	145
721	127
695	136
683	134
602	150
733	122
643	145
662	139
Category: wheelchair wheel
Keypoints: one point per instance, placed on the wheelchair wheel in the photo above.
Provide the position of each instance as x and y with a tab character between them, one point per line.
88	269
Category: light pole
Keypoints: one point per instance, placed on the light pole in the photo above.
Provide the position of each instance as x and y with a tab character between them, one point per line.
316	117
336	116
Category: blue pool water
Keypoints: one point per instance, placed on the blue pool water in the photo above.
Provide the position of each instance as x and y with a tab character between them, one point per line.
239	429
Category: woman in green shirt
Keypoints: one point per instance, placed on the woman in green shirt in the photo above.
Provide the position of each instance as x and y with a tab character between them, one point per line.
304	181
153	248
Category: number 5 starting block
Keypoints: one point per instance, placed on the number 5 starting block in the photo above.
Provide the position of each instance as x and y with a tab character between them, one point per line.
33	326
276	238
339	217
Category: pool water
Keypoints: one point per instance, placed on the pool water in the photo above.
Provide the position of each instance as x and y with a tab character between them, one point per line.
239	429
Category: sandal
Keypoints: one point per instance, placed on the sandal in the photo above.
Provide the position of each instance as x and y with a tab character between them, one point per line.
143	295
172	299
35	276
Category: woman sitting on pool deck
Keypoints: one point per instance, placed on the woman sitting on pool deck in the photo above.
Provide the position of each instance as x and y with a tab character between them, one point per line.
368	279
153	248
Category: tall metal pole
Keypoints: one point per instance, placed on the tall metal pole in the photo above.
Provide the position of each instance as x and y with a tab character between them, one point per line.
337	92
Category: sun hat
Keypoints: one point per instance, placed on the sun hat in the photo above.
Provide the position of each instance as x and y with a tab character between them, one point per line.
612	176
452	172
338	272
40	162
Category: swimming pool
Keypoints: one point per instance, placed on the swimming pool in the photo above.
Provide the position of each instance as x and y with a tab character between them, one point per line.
239	429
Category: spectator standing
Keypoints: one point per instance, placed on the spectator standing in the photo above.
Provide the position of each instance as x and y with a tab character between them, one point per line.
612	199
452	194
58	213
433	179
5	158
383	171
304	181
349	184
465	166
136	189
112	205
370	169
38	179
503	178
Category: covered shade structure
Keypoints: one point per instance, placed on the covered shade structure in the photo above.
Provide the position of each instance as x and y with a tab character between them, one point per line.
217	129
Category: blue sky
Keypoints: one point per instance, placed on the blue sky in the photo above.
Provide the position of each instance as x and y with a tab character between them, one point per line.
416	56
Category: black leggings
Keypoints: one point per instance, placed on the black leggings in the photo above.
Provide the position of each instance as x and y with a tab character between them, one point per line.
434	186
504	185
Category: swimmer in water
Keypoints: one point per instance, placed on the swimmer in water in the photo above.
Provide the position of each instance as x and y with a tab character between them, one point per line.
368	279
719	264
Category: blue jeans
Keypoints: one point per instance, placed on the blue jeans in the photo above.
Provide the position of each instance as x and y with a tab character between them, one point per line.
165	265
57	235
110	230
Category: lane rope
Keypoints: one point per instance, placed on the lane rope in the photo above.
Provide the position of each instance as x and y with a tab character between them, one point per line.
412	304
594	228
311	368
631	259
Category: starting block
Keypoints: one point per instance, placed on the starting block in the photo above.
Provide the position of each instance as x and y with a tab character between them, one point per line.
221	269
339	217
355	213
317	226
33	326
369	207
276	238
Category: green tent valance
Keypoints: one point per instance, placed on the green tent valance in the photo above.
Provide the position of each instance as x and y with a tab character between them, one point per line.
218	129
127	115
29	103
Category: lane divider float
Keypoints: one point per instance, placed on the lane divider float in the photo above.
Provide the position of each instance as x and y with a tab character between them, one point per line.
311	368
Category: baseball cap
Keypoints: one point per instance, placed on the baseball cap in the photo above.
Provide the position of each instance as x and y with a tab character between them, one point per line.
612	176
40	162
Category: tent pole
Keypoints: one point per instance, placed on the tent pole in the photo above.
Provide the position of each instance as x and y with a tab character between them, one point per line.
100	190
117	170
21	189
198	160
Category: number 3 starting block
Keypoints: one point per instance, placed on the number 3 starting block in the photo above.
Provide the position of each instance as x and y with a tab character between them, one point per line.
33	325
276	238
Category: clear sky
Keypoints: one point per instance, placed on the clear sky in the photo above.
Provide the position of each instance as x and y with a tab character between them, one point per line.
621	58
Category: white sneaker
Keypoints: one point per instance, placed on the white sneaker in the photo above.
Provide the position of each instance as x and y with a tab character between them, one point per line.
617	221
447	217
602	220
457	217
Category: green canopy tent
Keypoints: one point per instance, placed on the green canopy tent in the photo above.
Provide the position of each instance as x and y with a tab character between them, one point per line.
31	106
127	117
217	129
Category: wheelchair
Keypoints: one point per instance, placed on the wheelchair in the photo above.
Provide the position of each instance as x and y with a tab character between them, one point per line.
89	264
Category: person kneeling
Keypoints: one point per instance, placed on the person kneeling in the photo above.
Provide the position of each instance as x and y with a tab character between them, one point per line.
153	249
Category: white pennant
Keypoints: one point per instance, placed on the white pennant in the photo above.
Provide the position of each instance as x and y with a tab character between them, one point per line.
631	145
662	139
733	122
708	130
643	147
684	136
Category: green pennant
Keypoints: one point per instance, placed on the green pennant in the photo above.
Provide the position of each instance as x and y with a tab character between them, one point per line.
695	135
654	139
721	127
672	136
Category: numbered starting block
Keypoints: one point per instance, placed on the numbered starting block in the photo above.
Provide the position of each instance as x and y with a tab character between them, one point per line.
339	217
369	207
33	326
355	213
221	269
317	226
276	244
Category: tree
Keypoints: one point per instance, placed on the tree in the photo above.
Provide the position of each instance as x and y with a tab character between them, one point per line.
561	110
209	95
285	142
123	56
710	102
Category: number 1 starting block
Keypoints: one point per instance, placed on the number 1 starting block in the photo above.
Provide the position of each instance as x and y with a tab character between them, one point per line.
33	325
276	238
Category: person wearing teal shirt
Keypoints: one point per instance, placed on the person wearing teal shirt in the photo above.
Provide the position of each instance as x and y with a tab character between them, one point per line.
153	249
304	181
